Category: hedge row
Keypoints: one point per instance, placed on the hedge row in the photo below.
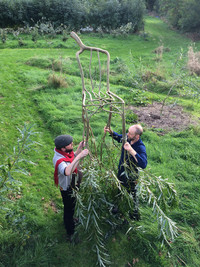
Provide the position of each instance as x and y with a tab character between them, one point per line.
73	13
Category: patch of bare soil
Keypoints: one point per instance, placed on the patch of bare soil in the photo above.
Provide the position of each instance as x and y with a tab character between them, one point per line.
172	118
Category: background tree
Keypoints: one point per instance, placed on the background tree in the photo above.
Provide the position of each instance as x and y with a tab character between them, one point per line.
75	14
181	14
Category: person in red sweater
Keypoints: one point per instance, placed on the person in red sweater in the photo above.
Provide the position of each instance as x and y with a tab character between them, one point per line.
66	163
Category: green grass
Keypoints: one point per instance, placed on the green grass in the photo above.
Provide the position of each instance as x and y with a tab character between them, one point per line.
32	233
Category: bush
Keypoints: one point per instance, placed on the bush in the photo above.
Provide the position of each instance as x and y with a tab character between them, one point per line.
5	14
124	30
22	12
132	11
181	14
114	14
104	14
189	15
75	14
150	4
131	117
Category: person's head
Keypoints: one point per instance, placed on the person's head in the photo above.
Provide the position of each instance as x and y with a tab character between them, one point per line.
134	132
64	143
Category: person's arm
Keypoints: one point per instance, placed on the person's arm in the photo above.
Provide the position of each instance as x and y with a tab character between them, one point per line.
108	130
141	159
80	147
71	167
129	148
140	156
116	136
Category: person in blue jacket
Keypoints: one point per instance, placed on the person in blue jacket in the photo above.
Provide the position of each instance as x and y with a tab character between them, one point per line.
133	155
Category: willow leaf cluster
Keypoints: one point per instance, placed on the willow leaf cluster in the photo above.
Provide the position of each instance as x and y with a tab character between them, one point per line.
12	163
95	199
161	195
91	205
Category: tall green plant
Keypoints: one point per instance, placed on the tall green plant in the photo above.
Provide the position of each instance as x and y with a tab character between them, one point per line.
12	163
91	204
161	195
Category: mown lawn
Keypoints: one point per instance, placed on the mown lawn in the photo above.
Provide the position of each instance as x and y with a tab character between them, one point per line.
31	228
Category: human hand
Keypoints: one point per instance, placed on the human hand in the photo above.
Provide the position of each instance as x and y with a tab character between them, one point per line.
84	153
81	144
127	147
107	129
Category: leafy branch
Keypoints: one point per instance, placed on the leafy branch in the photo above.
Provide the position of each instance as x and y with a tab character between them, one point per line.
95	201
12	162
91	204
164	197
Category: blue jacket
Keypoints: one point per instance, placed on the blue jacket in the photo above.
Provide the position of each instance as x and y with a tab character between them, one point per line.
141	155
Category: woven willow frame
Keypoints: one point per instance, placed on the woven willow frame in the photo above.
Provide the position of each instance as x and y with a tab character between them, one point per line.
99	99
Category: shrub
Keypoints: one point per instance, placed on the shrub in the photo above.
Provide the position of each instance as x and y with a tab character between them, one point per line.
74	14
131	117
123	30
181	14
20	12
189	15
132	11
104	14
150	4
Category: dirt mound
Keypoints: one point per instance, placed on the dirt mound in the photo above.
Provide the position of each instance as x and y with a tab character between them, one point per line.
172	118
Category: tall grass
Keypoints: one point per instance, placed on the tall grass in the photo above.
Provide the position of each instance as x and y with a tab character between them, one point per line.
193	61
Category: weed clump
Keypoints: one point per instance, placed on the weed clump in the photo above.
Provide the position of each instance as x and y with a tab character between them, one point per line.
161	49
131	117
56	81
193	63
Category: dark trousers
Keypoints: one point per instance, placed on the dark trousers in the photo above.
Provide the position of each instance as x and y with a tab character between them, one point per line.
131	188
69	203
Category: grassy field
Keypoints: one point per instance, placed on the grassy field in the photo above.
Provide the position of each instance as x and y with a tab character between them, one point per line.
31	228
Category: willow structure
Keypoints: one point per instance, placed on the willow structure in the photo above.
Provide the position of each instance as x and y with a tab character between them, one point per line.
156	191
96	94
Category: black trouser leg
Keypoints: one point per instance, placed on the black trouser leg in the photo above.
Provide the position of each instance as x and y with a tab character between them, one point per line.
69	203
135	214
131	188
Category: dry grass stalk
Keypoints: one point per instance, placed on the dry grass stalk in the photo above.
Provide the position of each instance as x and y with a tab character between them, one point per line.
193	63
159	50
159	53
56	81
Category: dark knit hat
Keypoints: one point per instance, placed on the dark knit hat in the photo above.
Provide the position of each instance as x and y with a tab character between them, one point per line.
63	140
